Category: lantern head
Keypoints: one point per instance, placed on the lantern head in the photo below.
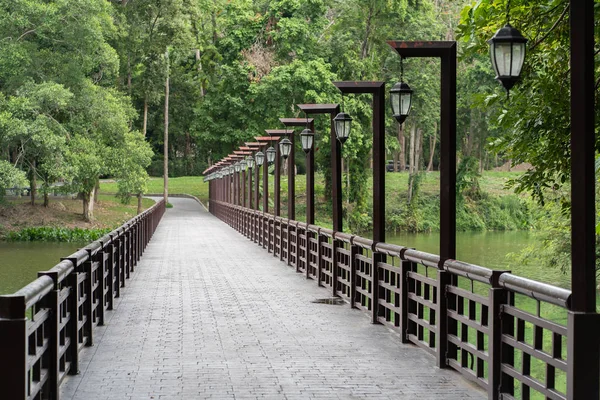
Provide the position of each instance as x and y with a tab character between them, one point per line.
285	148
307	138
260	158
401	100
507	52
343	125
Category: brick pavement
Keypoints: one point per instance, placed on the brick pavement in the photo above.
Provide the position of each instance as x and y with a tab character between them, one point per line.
210	315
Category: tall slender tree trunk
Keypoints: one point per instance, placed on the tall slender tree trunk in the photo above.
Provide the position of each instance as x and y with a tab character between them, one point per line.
199	61
88	205
145	120
33	183
46	199
402	142
418	149
128	75
139	203
432	143
96	191
166	141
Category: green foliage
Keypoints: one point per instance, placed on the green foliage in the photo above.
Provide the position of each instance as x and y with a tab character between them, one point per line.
467	179
52	234
10	177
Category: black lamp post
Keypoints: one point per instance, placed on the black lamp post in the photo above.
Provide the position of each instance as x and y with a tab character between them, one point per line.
446	52
507	51
275	135
336	159
310	219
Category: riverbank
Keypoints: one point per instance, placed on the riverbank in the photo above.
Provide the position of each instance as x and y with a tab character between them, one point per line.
63	219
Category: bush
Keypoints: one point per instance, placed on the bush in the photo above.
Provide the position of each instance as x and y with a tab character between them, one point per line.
52	234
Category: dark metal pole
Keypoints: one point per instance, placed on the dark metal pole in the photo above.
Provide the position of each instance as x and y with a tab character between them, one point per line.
250	189
310	181
336	175
265	186
256	187
243	186
379	165
378	91
291	180
277	183
583	216
583	324
448	156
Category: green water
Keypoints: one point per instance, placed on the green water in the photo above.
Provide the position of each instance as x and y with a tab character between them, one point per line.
488	249
21	261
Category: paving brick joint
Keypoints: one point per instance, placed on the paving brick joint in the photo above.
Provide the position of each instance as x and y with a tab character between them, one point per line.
211	315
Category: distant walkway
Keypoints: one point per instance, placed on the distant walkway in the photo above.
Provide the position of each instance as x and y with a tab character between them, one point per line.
210	315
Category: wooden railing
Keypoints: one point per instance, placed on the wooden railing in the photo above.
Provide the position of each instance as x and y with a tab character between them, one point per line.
505	333
45	325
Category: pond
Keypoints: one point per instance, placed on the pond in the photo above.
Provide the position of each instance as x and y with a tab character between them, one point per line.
21	261
488	249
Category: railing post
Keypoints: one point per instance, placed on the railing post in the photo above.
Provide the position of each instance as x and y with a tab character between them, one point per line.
444	279
582	370
320	240
497	297
334	265
13	347
89	302
405	268
51	302
73	306
377	257
354	249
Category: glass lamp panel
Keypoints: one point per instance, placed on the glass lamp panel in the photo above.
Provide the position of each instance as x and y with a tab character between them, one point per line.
518	57
347	127
250	162
270	154
405	100
395	100
339	128
307	140
502	56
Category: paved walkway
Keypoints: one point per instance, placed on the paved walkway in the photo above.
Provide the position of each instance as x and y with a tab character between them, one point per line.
210	315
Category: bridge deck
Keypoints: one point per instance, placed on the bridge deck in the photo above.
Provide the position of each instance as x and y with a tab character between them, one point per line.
209	314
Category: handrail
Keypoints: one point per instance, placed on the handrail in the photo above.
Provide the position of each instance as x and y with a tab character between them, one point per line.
537	290
93	265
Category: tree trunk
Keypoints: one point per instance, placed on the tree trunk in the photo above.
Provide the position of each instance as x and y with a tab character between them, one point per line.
396	161
411	154
33	183
88	205
128	75
432	143
166	141
402	142
364	48
96	191
418	149
139	203
46	199
145	120
198	60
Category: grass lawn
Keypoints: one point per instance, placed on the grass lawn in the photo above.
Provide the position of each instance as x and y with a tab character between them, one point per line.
65	212
193	185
